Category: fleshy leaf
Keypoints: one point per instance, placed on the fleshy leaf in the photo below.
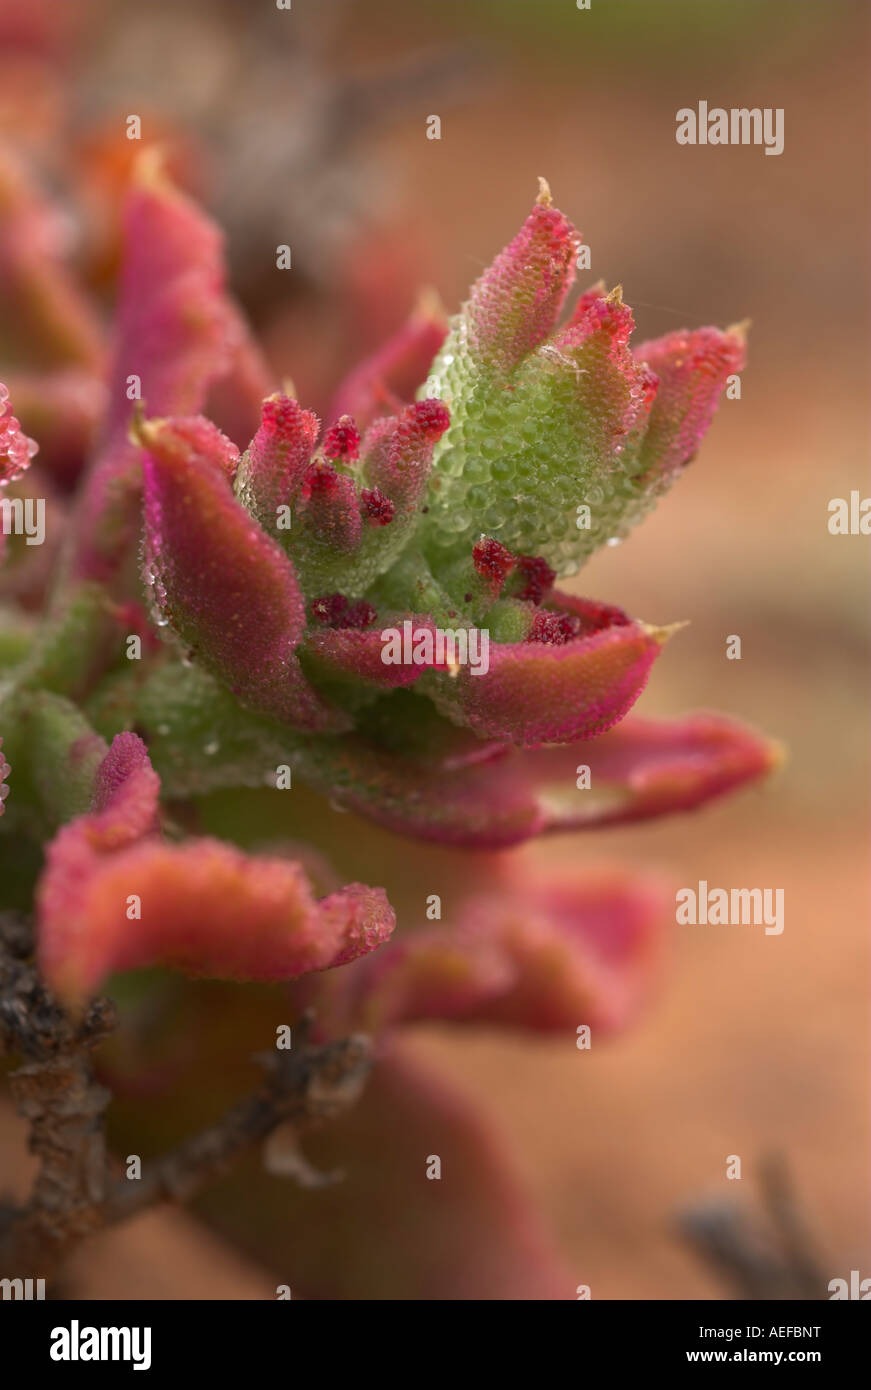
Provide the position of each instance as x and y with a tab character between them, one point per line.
328	507
546	955
418	775
543	692
113	896
274	464
651	767
460	791
206	909
349	653
178	335
519	464
515	304
44	314
691	368
126	791
226	588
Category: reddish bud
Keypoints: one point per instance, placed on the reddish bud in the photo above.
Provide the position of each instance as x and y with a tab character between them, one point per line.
337	611
554	628
328	609
342	440
536	578
492	560
376	507
432	417
358	615
329	503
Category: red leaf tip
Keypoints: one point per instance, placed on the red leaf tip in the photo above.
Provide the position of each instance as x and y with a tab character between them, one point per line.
492	560
376	507
342	440
432	417
335	610
536	577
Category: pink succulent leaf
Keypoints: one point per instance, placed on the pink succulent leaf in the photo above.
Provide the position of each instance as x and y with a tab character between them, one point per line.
196	436
126	792
515	304
556	689
225	587
54	320
652	767
547	954
491	796
424	974
177	335
389	379
397	452
585	950
610	400
276	461
206	909
328	508
203	906
419	775
691	369
349	653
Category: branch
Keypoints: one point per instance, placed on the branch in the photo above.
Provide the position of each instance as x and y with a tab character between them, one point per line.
75	1192
56	1091
303	1086
777	1265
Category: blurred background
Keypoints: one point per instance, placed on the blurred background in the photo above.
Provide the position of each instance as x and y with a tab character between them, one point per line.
308	128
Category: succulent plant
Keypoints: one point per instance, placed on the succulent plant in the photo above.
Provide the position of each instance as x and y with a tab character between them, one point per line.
230	570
